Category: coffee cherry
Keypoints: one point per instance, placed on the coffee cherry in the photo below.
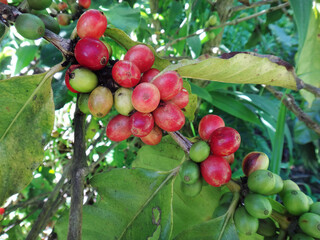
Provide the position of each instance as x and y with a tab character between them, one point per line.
154	137
100	102
145	97
126	74
84	3
50	23
181	99
2	211
169	84
254	161
224	141
39	4
82	80
315	208
4	1
122	101
296	202
141	56
108	47
91	53
92	24
141	124
261	181
288	185
191	190
83	103
149	75
208	124
67	77
63	19
118	129
267	227
199	151
169	117
29	26
278	185
310	224
257	205
244	222
62	6
92	129
189	172
229	158
215	170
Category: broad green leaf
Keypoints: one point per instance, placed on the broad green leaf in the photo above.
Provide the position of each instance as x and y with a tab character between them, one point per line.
24	56
50	55
124	17
26	120
239	68
194	44
124	40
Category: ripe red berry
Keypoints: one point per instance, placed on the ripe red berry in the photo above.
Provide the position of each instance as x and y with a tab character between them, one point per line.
67	77
2	211
126	74
4	1
169	117
215	170
62	6
63	19
118	128
169	85
145	97
181	99
208	124
149	75
224	141
84	3
92	23
154	137
91	53
229	158
141	56
141	124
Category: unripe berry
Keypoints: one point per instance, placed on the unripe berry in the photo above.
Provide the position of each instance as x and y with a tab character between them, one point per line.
50	23
199	151
29	26
254	161
92	23
296	202
169	84
145	97
100	101
141	124
191	190
82	80
224	141
91	53
63	19
39	4
189	172
154	137
149	75
208	124
118	129
261	181
181	99
122	101
141	56
126	74
83	103
310	224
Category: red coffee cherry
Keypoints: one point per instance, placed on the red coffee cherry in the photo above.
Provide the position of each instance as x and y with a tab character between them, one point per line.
181	99
141	124
63	19
126	74
2	211
154	137
215	170
208	124
229	158
4	1
141	56
224	141
145	97
62	6
92	23
118	129
149	75
254	161
84	3
169	85
169	117
91	53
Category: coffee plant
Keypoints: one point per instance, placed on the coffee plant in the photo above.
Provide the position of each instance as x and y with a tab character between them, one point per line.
133	120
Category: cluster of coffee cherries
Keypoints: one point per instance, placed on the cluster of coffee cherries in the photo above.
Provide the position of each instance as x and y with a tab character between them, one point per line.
254	213
211	156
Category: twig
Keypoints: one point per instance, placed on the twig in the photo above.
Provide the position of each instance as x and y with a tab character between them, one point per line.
253	5
182	141
290	103
234	22
78	168
312	89
20	221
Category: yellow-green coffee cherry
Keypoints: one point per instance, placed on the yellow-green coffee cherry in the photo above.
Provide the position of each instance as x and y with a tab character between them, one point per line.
189	172
122	101
83	103
199	151
191	190
310	224
257	205
296	202
244	222
29	26
261	181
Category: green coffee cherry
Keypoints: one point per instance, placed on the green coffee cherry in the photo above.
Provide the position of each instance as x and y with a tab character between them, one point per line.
257	205
122	101
310	200
29	26
296	202
267	227
50	23
83	80
191	190
310	224
83	103
220	210
189	172
244	222
278	185
226	198
301	236
261	181
315	208
39	4
213	20
199	151
287	186
92	129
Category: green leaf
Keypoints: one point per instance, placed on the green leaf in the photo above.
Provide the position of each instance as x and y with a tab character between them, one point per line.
26	120
239	68
194	44
50	55
24	55
124	17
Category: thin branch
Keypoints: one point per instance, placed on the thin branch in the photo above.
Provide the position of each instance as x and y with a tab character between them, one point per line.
253	5
234	22
312	89
182	141
290	103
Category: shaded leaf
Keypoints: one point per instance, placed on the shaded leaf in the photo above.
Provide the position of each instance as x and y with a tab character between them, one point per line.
24	57
194	44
